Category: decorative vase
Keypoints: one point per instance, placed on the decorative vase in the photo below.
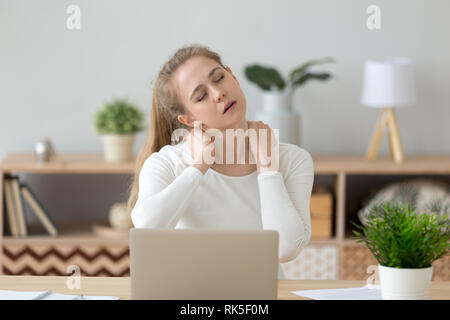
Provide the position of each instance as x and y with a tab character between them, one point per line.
278	114
44	151
405	284
118	147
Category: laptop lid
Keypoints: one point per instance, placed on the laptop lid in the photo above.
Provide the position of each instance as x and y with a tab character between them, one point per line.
174	264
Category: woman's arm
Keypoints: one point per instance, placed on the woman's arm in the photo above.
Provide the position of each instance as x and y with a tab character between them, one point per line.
285	205
163	197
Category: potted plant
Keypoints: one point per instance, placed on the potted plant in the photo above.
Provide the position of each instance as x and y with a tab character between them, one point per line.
277	95
118	122
405	245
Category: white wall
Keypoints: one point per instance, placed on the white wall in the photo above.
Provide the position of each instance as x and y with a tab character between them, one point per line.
53	80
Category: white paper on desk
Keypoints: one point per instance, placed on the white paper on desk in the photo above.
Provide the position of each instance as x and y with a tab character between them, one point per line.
372	292
60	296
30	295
19	295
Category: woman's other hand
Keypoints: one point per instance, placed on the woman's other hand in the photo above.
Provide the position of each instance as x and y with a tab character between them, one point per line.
265	148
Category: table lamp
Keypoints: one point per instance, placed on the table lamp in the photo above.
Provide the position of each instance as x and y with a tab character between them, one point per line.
388	83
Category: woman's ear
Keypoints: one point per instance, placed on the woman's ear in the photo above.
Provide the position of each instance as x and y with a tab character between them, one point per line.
185	119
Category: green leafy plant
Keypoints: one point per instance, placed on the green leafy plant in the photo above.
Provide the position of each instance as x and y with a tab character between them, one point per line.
118	117
399	237
268	78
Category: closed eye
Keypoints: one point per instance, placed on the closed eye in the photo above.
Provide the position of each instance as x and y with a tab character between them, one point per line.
205	93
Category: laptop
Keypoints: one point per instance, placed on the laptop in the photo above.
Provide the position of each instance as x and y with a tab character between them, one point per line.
199	264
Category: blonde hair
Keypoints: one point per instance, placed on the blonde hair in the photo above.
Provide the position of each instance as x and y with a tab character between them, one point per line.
165	110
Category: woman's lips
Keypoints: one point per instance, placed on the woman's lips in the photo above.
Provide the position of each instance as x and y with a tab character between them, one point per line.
230	108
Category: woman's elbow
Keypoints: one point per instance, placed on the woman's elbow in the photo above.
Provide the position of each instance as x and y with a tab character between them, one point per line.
149	218
140	219
290	253
287	256
135	218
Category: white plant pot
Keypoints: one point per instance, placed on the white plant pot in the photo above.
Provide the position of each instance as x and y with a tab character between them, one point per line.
278	114
118	147
405	284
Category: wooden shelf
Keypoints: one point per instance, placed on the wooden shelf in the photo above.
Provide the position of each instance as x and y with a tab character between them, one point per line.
335	241
351	242
314	241
84	235
68	234
95	163
65	164
439	164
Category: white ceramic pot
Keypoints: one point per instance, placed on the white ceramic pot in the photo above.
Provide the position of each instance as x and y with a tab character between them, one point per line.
118	147
405	284
278	114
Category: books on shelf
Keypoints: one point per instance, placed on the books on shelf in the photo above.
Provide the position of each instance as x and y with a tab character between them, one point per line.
9	201
18	202
38	209
16	195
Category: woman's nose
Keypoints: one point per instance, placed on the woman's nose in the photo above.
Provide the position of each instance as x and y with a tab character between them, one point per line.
219	96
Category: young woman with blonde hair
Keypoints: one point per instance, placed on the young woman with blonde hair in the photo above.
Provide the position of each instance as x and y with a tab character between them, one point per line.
175	187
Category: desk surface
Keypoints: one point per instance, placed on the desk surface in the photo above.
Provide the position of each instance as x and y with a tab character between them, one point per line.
120	287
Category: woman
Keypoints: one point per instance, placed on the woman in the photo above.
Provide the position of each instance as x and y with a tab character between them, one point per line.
175	187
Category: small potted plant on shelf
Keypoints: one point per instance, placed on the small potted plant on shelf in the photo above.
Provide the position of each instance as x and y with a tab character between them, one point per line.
405	244
277	95
118	122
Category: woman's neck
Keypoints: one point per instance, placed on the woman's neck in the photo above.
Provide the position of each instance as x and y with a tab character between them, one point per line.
233	148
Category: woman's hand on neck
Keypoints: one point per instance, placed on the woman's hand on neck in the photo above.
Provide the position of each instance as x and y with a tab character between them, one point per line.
242	149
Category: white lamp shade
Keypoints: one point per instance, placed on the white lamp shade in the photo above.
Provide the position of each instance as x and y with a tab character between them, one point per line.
388	83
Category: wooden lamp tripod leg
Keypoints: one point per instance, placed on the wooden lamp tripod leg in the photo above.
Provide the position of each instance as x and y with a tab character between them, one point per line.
376	137
394	137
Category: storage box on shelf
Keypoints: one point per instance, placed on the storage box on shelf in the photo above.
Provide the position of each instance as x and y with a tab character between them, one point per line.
331	254
321	213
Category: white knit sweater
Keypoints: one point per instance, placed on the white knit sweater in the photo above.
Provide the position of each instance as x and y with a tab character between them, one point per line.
173	194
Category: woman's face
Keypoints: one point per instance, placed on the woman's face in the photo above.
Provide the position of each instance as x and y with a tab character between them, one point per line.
205	89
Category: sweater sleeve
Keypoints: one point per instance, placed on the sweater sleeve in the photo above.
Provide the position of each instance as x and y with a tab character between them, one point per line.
285	204
163	197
